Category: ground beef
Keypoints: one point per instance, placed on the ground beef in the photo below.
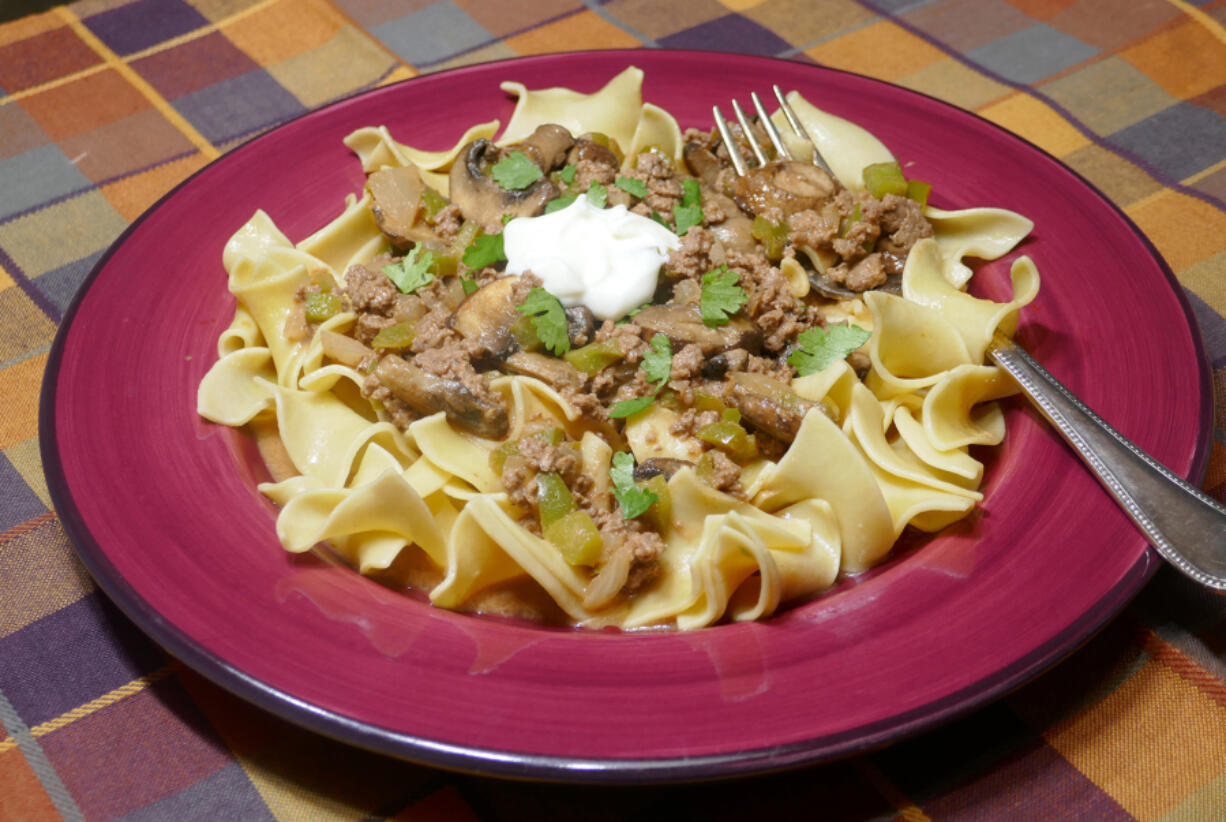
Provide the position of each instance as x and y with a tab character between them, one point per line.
369	290
663	186
691	421
397	411
725	475
563	460
810	228
693	258
448	221
368	325
904	220
687	363
771	304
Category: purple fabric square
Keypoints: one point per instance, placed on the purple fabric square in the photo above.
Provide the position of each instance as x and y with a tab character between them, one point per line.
239	106
227	794
20	503
59	285
136	26
76	654
1178	141
732	32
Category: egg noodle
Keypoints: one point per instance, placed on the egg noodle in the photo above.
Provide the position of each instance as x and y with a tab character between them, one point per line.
883	452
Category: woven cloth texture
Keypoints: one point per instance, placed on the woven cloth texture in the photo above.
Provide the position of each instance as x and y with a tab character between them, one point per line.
105	105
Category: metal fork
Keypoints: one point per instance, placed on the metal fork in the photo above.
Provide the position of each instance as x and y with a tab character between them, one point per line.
1186	526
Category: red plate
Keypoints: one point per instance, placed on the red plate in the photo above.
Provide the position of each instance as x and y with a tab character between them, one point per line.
163	508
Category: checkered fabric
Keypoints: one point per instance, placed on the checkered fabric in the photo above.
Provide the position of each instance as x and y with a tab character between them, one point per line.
107	104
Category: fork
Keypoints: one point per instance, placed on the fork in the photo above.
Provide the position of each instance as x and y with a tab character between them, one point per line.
1186	526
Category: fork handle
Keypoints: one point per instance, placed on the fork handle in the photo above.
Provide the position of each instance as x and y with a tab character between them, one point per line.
1187	527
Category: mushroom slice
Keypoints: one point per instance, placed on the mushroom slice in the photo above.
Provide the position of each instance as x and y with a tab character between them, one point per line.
652	466
428	394
769	404
547	146
549	370
682	324
787	186
481	198
486	316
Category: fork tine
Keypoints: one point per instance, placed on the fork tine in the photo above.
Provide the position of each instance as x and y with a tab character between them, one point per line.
725	134
771	131
749	135
799	128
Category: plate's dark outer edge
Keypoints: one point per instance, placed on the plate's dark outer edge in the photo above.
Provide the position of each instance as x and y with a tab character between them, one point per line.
517	765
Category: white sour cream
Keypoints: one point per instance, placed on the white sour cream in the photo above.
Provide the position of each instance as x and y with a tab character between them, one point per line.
605	258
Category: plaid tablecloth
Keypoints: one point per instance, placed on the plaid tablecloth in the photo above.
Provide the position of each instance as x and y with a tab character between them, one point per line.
107	104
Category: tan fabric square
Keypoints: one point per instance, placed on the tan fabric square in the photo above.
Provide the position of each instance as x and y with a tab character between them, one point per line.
68	231
39	574
951	81
1120	180
347	62
501	18
800	24
657	20
26	328
883	50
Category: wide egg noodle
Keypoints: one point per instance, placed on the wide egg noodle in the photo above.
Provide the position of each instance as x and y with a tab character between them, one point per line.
376	149
353	237
239	387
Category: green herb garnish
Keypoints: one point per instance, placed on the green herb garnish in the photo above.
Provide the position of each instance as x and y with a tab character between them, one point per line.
485	250
633	500
817	348
412	272
515	171
598	195
658	365
567	174
560	203
632	186
548	318
721	296
688	213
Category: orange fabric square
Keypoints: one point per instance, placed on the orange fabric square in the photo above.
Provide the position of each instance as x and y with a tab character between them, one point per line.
20	383
262	34
882	50
84	104
1185	59
1185	230
24	27
585	30
21	794
132	195
1037	122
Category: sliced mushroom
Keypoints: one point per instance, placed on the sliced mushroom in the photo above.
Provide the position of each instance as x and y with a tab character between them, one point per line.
547	146
832	290
486	317
652	466
428	393
714	368
682	324
769	404
549	370
481	198
580	325
396	203
589	149
787	186
702	162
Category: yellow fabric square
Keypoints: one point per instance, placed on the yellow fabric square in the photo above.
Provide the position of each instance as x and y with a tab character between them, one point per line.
262	34
19	386
39	574
131	196
498	50
1037	122
1114	176
1207	280
1184	229
68	231
585	30
953	82
740	5
347	62
26	328
1185	59
797	22
1123	743
883	50
26	458
5	280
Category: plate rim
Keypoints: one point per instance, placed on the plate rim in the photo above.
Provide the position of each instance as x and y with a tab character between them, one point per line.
614	770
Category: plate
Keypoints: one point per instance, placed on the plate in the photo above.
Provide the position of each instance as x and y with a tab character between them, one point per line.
163	508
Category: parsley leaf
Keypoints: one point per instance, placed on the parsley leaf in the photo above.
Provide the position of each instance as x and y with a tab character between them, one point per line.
658	363
469	284
655	215
721	296
485	250
632	499
516	171
819	347
412	272
548	318
632	186
560	203
567	174
598	195
688	213
628	408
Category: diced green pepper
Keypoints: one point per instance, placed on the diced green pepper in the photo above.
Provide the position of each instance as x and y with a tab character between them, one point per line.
595	356
525	334
773	236
731	415
398	336
918	190
730	438
884	178
708	402
553	498
705	469
500	455
321	306
432	203
660	513
553	435
444	265
576	536
469	229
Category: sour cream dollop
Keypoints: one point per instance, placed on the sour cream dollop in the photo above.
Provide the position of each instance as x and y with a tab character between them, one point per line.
605	258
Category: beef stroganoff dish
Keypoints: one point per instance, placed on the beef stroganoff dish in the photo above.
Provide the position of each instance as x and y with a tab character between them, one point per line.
584	373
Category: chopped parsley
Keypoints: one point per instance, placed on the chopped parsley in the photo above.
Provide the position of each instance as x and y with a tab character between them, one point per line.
548	318
413	271
658	365
560	203
632	186
484	250
469	284
598	195
688	213
567	174
721	296
515	171
633	500
817	348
